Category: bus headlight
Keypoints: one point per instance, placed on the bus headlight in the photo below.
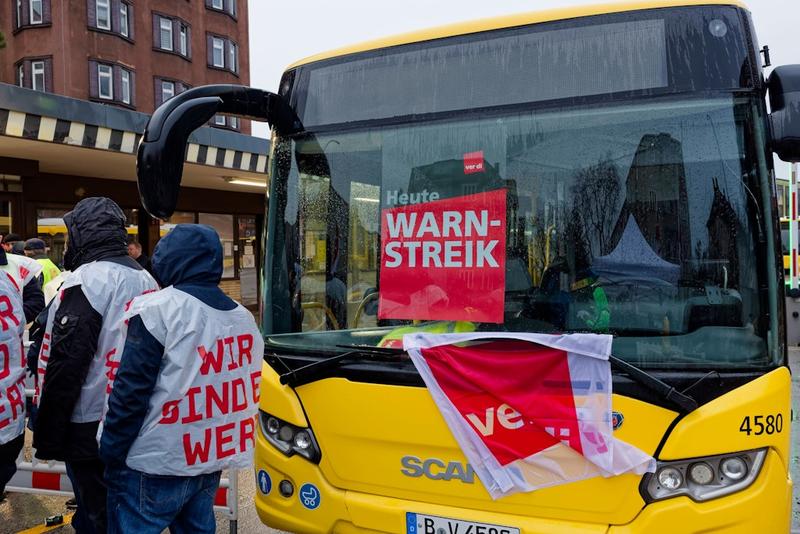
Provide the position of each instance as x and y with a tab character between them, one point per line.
288	438
734	468
703	479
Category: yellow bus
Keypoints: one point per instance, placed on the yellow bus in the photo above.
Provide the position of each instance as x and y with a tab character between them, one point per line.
634	150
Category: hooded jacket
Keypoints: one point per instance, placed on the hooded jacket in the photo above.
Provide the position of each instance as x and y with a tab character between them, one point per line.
189	259
82	324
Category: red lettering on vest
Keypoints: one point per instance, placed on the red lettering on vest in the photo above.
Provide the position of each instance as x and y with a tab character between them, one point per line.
255	382
223	439
239	399
214	399
5	358
23	272
170	412
111	374
5	421
210	360
194	415
7	312
229	344
16	400
225	346
246	433
194	451
44	354
245	343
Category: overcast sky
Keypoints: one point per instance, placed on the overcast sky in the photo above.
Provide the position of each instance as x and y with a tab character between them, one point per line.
283	32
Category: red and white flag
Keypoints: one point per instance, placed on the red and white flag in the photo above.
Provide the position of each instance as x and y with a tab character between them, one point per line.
529	411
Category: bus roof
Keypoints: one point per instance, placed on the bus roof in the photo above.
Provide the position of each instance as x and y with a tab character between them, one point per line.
508	21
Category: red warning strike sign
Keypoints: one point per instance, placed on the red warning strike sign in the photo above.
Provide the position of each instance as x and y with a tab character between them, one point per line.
445	260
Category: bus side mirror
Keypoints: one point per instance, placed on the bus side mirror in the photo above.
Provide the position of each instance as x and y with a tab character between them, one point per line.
159	161
784	99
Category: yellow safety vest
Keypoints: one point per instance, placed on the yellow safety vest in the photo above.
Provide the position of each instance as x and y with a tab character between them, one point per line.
394	338
49	270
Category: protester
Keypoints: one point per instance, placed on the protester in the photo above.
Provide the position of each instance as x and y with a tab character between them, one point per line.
24	274
12	380
135	252
35	248
184	344
9	240
83	332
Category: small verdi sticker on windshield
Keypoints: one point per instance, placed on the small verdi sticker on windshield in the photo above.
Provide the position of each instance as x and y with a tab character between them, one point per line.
445	260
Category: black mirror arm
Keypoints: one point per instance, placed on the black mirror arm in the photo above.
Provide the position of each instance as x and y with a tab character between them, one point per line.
161	153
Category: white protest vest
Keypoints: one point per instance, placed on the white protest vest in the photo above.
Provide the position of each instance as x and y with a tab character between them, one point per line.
12	362
21	269
109	287
200	418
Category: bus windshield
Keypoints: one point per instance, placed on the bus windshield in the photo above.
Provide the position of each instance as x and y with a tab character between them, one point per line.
642	217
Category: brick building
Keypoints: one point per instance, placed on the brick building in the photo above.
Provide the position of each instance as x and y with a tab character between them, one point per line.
81	77
130	54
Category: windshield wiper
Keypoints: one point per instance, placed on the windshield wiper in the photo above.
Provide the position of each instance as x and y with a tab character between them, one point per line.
681	400
316	370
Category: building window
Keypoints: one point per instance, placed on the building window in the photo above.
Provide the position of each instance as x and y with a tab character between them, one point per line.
225	6
167	90
165	26
105	79
125	83
103	14
37	16
114	16
225	121
37	75
223	53
124	28
218	52
233	55
172	35
112	83
184	40
30	13
34	73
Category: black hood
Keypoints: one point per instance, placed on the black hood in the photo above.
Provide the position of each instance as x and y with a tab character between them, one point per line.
188	254
96	231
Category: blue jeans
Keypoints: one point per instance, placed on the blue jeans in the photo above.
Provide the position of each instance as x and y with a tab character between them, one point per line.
145	504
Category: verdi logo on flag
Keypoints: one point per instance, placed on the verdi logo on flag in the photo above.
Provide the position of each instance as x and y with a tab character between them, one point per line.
445	259
528	410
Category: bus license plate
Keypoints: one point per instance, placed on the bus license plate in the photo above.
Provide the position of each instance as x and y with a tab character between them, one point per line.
431	524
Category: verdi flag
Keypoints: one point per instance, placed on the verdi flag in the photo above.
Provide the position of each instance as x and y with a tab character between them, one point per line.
529	411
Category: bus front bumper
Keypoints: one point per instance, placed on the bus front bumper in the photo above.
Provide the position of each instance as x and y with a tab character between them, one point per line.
764	507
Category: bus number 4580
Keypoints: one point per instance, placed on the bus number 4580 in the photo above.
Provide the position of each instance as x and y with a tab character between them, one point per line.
770	424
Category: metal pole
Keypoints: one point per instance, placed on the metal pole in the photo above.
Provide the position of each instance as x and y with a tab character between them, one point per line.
793	227
233	498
